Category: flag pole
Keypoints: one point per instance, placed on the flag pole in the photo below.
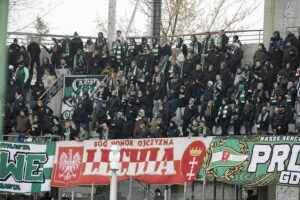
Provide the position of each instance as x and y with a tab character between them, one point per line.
203	187
3	56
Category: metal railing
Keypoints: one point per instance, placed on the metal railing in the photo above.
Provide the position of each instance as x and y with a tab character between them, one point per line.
53	89
245	36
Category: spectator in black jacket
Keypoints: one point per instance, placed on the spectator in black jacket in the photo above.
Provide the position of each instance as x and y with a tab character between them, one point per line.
248	116
222	41
237	56
173	130
263	121
56	128
87	104
34	51
68	132
75	44
114	104
14	53
280	121
80	118
190	111
36	128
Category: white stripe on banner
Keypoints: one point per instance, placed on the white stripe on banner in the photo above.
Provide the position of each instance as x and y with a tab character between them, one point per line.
218	157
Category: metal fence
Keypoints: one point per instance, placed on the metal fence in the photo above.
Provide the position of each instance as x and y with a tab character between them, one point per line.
245	36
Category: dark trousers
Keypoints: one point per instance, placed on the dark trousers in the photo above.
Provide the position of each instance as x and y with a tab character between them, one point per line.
224	123
37	61
236	127
248	127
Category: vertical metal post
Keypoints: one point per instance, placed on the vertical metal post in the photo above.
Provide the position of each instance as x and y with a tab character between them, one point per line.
193	191
236	192
130	188
222	195
92	192
113	185
215	188
204	187
184	190
3	56
73	195
132	16
111	29
169	192
166	193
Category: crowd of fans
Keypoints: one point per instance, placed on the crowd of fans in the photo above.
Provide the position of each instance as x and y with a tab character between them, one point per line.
158	90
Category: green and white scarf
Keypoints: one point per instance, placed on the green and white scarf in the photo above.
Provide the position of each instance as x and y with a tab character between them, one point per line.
202	130
118	52
130	48
223	111
235	116
103	51
274	96
218	85
155	50
163	66
104	135
242	96
262	117
194	47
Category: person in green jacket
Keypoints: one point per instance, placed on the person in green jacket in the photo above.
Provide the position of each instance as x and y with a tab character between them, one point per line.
22	75
83	135
197	129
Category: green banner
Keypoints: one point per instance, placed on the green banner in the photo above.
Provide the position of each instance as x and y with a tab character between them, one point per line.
254	161
26	167
74	88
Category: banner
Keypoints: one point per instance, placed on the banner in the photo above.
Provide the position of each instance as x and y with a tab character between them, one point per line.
74	88
254	161
26	167
153	161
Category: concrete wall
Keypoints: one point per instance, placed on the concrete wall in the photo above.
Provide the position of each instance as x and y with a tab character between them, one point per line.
278	15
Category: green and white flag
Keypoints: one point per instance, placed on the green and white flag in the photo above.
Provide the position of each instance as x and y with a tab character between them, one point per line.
226	156
26	167
74	88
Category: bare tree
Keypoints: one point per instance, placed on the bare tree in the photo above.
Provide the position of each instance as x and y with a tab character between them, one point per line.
41	27
190	16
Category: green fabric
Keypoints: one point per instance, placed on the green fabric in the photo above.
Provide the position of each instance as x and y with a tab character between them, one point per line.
118	52
155	50
194	47
22	75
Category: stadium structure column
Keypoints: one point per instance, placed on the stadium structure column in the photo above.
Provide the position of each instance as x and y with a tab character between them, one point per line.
111	28
156	17
3	56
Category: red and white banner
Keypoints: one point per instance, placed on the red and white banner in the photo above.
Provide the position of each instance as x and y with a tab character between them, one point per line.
153	161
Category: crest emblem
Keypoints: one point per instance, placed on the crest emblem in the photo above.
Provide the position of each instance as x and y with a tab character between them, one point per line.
69	164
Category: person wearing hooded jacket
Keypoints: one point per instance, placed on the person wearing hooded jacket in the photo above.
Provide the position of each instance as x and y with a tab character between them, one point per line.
80	117
173	130
182	46
144	46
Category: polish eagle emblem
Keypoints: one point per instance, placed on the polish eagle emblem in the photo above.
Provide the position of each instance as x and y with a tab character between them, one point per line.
68	164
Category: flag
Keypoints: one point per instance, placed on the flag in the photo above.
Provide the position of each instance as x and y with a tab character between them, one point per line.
226	157
26	167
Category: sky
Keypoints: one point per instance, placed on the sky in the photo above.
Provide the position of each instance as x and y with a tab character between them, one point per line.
67	16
